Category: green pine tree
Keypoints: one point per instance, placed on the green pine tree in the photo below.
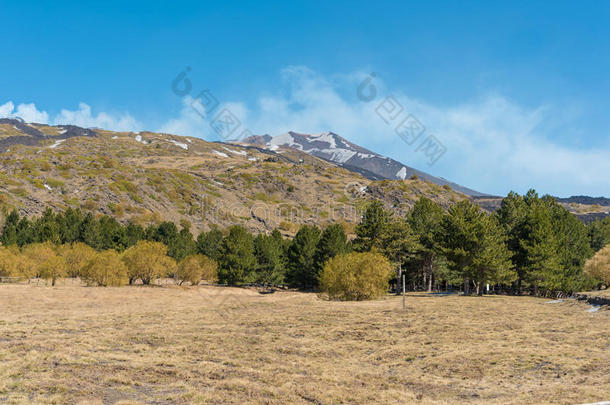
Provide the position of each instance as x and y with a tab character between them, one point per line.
333	242
237	262
208	243
270	257
370	228
474	245
539	245
599	234
9	230
302	270
425	219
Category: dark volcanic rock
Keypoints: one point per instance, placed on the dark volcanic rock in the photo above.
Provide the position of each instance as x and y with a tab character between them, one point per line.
32	136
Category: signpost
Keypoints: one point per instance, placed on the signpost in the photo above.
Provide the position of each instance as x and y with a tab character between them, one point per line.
403	292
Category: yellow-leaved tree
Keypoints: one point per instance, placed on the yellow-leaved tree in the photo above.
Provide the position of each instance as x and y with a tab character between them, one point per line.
147	261
356	276
45	262
598	266
18	264
6	262
105	269
76	255
196	268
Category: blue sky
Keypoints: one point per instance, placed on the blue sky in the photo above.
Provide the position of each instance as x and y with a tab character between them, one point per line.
515	91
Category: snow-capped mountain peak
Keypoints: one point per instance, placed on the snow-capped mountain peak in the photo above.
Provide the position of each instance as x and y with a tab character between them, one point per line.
334	148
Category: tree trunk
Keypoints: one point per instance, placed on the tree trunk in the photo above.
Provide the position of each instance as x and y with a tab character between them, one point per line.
399	280
430	283
466	286
53	282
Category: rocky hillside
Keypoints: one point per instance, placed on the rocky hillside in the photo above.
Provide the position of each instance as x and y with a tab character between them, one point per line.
147	177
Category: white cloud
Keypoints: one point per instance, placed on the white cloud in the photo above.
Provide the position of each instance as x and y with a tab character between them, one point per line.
194	120
27	112
82	117
188	123
493	144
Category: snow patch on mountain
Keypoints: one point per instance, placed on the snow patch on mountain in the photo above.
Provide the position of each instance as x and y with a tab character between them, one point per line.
282	140
328	137
180	144
221	154
339	155
312	144
402	173
237	152
57	143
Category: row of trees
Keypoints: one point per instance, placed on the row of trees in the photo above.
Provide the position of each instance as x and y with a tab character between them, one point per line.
241	256
99	232
145	261
530	243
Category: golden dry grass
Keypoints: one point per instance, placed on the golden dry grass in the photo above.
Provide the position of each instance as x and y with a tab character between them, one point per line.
72	344
600	293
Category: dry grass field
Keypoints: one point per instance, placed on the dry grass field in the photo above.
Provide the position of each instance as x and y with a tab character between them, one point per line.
72	344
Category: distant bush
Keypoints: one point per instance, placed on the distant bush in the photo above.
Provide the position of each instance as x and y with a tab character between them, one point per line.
117	209
45	166
262	196
105	269
356	276
288	226
54	183
89	205
19	191
598	266
195	268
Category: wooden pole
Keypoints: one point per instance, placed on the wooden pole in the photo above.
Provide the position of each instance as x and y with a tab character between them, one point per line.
403	292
